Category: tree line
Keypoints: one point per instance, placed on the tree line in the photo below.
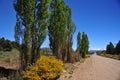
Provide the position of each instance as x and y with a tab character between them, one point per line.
37	18
7	45
82	44
111	49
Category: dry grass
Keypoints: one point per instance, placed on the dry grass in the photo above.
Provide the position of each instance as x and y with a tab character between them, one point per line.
110	56
9	59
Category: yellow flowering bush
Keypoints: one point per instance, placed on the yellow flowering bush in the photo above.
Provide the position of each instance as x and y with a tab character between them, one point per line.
87	55
45	68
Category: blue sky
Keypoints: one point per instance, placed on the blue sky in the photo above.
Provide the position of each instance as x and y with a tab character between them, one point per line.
100	19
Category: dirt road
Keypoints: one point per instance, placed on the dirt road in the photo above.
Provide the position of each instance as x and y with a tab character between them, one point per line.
97	68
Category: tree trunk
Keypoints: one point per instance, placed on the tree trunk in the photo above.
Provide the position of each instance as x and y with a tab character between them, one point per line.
21	65
83	55
70	55
59	55
27	45
33	47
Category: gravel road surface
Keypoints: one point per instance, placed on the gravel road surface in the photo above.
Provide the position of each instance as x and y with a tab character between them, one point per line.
96	68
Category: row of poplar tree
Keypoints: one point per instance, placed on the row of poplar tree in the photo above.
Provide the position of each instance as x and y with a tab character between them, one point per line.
37	18
111	49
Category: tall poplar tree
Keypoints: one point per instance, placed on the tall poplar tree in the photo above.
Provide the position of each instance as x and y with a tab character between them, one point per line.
33	15
79	42
84	44
18	35
40	26
87	43
57	27
18	30
71	29
25	10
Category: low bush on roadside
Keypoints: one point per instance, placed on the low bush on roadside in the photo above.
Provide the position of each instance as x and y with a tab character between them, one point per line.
87	55
110	56
45	68
119	56
82	60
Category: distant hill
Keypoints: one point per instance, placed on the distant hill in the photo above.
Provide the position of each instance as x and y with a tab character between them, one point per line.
95	51
92	51
46	49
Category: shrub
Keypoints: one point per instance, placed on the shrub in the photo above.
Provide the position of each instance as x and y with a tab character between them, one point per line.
45	68
87	55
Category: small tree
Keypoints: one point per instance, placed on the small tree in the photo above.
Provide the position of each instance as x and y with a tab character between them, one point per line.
7	46
110	48
117	48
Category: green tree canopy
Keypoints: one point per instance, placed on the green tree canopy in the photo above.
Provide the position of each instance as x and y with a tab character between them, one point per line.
57	27
110	48
117	48
31	26
79	38
82	44
70	31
